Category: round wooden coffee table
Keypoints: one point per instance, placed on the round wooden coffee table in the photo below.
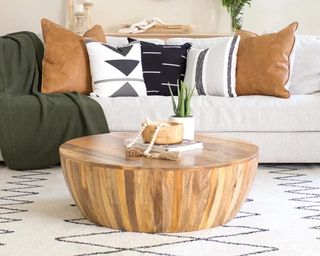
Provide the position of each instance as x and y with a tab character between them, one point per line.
205	189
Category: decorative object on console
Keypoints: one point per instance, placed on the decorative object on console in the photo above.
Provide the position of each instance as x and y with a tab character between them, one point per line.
139	27
235	9
65	63
212	71
154	26
79	17
182	110
116	72
265	62
163	65
88	4
169	29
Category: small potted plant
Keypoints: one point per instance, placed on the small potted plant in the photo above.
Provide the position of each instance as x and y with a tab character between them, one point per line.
182	109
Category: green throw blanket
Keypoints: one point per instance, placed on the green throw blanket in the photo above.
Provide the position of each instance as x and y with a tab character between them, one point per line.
34	125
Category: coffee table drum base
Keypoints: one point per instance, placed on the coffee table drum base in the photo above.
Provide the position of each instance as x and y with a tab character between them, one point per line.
159	200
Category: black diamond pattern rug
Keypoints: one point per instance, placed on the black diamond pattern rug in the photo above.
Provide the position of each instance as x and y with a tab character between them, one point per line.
280	217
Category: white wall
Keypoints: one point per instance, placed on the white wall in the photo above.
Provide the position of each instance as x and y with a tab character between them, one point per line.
207	15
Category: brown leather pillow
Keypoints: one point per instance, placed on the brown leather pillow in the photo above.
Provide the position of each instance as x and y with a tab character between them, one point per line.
66	63
263	64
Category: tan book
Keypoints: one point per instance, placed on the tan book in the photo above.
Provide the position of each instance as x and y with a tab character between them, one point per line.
185	145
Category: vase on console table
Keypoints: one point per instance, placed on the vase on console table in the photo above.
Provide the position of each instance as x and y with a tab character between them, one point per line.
236	8
182	109
236	19
79	15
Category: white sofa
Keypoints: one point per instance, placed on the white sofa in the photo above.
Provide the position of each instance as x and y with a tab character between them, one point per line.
286	130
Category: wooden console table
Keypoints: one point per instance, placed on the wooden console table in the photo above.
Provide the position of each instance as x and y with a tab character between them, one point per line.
166	36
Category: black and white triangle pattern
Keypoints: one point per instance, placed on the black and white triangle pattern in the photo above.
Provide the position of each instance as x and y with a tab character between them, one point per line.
116	72
281	217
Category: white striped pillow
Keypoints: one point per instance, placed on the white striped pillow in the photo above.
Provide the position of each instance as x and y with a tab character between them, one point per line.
213	70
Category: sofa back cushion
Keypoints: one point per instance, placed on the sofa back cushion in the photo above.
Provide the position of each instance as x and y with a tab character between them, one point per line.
264	62
213	70
65	63
306	70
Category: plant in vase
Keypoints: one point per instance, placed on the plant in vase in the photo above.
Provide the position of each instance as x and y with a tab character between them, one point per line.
182	109
235	9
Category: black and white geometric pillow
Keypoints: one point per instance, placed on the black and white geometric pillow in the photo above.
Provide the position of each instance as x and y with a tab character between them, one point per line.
163	65
213	71
116	72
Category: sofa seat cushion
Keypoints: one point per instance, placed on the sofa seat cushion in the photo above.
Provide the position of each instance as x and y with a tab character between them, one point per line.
300	113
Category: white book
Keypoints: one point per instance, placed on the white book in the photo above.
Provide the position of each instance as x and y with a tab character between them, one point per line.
185	145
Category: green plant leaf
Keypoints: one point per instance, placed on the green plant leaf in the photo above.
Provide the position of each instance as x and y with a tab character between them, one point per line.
235	8
174	104
188	107
182	101
185	93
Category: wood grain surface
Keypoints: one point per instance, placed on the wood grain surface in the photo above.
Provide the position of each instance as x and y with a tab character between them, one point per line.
205	189
172	134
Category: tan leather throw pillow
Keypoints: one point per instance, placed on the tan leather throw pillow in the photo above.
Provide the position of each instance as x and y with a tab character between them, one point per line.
263	64
66	63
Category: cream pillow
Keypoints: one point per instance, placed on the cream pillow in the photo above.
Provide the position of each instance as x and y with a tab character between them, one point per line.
212	71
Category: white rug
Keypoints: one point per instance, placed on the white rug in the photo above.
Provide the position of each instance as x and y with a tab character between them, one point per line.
281	217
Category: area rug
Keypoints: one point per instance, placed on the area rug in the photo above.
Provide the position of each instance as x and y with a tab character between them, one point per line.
280	217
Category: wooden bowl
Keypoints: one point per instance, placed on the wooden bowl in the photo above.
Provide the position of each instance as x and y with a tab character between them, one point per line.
172	134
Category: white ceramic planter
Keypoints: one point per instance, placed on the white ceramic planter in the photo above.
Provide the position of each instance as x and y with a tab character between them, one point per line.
188	126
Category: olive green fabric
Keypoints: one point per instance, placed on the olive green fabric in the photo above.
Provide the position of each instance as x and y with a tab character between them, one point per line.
34	125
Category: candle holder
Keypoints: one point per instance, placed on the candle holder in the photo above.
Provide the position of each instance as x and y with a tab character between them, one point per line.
79	19
79	23
88	8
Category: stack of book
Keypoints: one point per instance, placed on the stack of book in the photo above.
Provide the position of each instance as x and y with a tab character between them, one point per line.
185	145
